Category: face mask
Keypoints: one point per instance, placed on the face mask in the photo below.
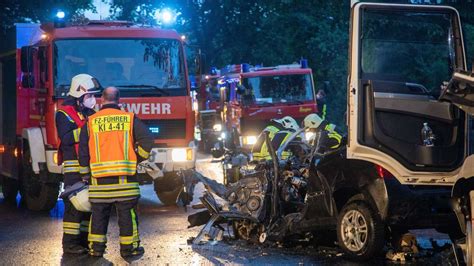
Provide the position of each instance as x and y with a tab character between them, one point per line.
89	102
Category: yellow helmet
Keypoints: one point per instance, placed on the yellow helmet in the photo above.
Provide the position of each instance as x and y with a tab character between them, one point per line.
83	84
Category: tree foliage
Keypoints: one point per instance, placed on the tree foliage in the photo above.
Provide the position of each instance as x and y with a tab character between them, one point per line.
16	11
267	32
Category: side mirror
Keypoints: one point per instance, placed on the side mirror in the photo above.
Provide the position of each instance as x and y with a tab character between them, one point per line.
27	59
27	80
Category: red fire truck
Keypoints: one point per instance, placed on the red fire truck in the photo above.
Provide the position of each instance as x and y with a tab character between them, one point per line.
148	66
254	95
210	104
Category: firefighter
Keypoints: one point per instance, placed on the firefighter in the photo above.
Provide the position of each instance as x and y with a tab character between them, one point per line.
325	133
321	102
70	118
111	144
279	131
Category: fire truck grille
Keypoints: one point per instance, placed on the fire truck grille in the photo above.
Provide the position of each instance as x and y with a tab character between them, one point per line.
167	128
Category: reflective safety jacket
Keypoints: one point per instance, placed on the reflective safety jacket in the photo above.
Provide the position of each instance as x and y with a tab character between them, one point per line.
278	137
329	139
107	147
107	144
68	124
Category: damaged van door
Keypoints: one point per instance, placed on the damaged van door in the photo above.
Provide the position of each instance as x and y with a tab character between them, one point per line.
411	99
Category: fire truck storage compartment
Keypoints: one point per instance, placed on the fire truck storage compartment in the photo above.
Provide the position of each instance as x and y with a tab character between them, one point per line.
8	103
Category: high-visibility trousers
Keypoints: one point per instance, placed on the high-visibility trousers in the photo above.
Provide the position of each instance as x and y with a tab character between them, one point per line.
127	221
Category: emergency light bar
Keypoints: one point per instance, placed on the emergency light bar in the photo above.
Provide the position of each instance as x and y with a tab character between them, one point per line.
244	68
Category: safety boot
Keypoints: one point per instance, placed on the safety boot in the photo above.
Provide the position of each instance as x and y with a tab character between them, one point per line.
74	249
94	253
132	252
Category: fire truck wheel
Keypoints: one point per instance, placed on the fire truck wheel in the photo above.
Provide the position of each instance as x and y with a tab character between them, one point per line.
38	196
9	188
360	231
168	187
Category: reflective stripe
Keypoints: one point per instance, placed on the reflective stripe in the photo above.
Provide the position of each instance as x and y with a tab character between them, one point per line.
76	133
84	170
128	240
71	225
97	238
135	227
71	231
90	230
71	169
97	152
112	163
115	194
121	171
125	145
71	163
67	116
84	229
112	187
113	168
84	226
144	154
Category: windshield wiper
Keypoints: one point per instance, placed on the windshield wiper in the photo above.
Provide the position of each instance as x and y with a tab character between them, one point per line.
145	86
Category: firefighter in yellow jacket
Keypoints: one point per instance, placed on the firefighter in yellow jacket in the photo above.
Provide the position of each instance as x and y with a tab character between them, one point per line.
279	131
111	144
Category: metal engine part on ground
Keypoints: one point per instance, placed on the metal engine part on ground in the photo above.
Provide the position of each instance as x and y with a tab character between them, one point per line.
78	194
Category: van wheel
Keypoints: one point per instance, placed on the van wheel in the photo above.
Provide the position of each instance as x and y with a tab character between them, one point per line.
10	188
38	196
168	187
360	231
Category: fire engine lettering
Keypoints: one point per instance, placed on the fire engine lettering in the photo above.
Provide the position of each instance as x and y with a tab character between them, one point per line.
166	108
134	108
155	109
146	109
149	108
305	110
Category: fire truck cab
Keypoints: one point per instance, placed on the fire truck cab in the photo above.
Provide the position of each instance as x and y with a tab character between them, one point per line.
37	63
210	104
253	95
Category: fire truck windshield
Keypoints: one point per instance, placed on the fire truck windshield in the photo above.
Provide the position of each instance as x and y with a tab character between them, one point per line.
289	89
135	66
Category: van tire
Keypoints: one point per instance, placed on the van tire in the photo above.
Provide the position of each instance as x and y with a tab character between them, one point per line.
358	243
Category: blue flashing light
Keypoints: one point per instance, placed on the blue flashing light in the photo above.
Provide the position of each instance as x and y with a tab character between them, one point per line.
60	14
304	63
154	130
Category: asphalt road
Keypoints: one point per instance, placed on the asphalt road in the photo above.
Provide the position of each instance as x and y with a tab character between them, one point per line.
32	238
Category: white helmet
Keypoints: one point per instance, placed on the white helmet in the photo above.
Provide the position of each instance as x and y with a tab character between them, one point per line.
312	121
78	194
288	122
83	84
